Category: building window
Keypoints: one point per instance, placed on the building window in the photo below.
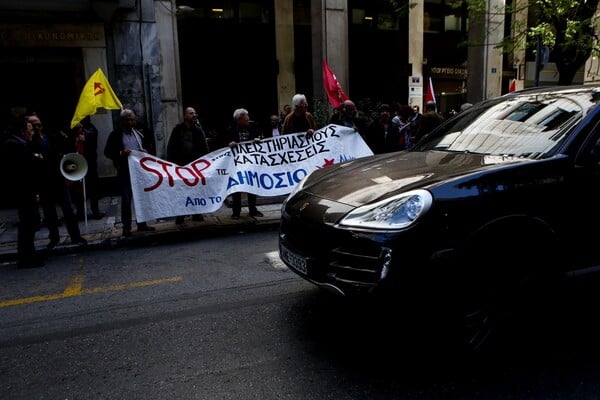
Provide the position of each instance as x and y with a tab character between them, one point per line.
227	10
452	23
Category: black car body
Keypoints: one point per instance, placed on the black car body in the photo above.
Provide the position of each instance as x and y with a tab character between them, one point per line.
500	197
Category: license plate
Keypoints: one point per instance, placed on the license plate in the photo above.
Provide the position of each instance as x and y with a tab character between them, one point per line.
292	259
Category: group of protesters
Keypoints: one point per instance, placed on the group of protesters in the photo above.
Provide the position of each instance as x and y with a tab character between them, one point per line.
39	182
31	160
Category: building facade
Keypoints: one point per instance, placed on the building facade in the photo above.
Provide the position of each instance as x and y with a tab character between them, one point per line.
50	48
160	56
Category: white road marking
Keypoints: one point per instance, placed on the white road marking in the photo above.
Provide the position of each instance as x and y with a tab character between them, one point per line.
273	259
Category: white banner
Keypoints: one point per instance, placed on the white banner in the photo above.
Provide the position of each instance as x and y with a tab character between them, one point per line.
271	167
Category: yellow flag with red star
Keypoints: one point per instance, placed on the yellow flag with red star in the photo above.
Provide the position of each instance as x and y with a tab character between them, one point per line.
96	93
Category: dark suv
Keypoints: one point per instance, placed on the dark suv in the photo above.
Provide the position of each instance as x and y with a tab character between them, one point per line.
499	201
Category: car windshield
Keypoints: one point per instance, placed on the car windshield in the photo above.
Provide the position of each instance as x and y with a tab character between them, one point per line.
526	125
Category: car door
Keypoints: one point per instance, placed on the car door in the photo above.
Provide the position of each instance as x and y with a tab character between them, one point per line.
581	202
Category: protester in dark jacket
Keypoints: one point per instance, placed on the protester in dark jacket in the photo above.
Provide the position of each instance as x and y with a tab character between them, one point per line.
382	135
54	189
24	181
240	131
188	140
430	120
186	144
347	115
85	137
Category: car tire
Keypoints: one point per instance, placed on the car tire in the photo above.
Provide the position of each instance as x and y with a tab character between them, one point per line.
506	286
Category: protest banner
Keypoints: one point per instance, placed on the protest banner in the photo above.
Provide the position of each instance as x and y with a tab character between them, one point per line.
271	167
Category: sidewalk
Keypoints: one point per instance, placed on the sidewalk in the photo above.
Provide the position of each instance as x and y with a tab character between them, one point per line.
105	233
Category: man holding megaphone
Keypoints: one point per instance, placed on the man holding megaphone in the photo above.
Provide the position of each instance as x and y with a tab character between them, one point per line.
54	190
84	136
74	167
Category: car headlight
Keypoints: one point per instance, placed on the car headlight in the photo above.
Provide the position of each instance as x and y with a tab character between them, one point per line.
394	213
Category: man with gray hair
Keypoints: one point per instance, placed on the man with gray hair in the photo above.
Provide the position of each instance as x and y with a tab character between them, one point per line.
118	147
299	119
240	131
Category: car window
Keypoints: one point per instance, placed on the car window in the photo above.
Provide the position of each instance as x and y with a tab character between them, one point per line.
528	125
589	152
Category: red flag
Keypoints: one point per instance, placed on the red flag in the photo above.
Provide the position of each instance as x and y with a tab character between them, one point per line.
430	94
335	93
513	85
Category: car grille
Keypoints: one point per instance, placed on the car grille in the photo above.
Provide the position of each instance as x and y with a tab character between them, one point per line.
336	256
358	266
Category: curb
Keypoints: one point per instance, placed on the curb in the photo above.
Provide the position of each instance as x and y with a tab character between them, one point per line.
107	233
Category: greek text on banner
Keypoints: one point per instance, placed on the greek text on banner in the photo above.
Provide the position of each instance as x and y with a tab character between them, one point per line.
270	167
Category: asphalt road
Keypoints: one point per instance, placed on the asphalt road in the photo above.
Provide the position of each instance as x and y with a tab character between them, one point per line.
223	319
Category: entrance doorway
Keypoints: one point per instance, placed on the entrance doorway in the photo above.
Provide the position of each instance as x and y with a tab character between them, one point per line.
45	80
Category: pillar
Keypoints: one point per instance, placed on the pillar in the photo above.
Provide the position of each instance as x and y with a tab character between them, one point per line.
416	82
330	42
284	47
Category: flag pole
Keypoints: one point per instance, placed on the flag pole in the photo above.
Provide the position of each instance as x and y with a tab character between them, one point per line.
85	206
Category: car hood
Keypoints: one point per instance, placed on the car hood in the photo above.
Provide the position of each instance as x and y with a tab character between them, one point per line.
371	178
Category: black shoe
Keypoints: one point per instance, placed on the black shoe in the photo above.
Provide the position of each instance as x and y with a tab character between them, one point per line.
146	228
197	218
256	213
126	232
52	244
235	216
